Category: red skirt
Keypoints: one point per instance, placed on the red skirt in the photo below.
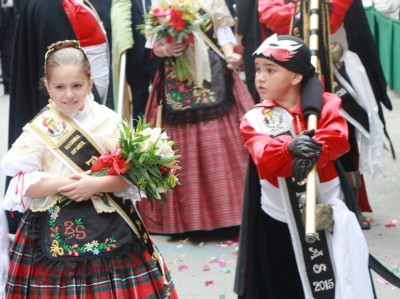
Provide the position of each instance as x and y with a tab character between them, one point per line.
32	275
213	162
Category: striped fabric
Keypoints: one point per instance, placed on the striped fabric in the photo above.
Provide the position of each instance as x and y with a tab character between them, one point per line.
32	275
212	176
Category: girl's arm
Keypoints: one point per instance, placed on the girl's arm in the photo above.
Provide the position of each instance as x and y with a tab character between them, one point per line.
85	186
47	186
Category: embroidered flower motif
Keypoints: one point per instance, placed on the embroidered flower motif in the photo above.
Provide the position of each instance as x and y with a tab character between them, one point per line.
59	246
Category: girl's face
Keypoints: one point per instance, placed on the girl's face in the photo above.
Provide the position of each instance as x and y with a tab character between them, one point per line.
273	81
68	87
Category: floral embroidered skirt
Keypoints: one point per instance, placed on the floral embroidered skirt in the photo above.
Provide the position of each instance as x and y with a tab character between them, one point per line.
213	161
33	274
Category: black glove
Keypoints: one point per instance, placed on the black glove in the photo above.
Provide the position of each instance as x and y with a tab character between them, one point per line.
302	167
303	146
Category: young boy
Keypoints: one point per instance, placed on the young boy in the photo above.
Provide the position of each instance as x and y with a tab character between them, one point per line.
275	261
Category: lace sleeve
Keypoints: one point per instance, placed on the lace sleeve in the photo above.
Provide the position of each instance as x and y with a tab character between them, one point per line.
219	12
15	199
25	163
131	193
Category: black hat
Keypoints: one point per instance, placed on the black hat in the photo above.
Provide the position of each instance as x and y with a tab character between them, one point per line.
289	52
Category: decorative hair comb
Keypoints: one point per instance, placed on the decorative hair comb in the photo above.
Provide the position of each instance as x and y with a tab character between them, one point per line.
54	47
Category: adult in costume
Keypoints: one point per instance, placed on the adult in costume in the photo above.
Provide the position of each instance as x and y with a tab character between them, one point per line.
36	29
248	32
141	64
283	17
274	260
75	245
41	23
202	115
8	20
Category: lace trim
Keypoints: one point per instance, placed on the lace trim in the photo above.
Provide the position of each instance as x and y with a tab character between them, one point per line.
15	199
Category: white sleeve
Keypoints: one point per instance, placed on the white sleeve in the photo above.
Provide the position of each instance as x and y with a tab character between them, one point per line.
15	199
225	35
23	162
132	193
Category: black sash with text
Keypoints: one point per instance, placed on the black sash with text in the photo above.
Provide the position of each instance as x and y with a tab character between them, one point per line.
318	268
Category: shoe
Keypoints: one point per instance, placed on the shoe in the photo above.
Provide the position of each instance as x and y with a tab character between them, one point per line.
364	223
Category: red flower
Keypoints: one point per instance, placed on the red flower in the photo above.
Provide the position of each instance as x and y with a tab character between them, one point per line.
164	169
176	20
189	39
158	12
169	39
114	162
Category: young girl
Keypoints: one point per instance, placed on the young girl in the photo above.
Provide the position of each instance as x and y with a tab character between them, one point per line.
275	260
85	248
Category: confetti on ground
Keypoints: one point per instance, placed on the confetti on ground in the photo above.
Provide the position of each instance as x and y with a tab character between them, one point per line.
182	267
391	223
227	271
220	262
206	268
179	246
381	281
201	244
395	269
209	282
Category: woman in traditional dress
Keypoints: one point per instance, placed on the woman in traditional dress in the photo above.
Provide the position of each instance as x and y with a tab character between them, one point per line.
202	116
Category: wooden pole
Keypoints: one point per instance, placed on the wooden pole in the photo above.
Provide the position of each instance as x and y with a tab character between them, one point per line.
312	120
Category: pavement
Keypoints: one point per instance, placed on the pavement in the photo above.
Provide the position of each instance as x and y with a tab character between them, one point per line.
202	264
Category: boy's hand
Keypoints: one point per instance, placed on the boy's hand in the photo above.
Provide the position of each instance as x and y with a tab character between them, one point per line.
303	146
302	167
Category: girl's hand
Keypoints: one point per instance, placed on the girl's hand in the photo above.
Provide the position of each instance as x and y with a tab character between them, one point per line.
83	188
233	60
174	49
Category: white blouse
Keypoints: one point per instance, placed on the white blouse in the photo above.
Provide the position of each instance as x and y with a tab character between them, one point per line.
30	160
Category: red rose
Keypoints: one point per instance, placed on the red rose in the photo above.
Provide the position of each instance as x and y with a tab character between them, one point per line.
114	162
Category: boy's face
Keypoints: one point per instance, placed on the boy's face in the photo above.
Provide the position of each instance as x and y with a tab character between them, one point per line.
274	81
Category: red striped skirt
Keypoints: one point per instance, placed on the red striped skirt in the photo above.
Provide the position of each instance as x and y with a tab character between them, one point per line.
213	172
32	275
